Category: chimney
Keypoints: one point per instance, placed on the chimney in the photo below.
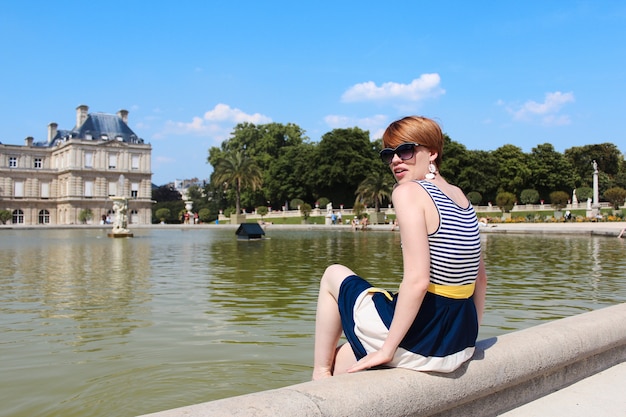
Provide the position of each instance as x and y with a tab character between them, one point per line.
123	114
29	141
81	115
52	131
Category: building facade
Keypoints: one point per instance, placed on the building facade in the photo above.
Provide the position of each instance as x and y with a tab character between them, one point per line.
75	171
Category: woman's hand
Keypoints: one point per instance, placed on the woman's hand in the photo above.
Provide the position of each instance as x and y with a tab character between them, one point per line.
373	359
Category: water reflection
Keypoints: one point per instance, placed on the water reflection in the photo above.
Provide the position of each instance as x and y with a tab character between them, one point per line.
175	317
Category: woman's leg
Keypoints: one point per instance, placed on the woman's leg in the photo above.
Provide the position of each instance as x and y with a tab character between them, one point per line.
327	321
344	359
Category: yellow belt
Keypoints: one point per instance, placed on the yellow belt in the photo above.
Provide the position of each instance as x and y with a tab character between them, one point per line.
449	291
452	291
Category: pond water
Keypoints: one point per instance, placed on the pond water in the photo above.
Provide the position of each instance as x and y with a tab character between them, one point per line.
98	326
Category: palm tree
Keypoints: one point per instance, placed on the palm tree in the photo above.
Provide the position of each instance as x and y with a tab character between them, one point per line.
375	187
236	168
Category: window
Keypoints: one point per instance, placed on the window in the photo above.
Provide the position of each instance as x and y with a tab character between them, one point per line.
88	159
18	216
112	189
13	162
45	190
134	190
44	217
134	162
18	190
112	161
88	189
38	163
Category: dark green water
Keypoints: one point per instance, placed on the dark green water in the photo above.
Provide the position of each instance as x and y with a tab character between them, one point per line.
99	327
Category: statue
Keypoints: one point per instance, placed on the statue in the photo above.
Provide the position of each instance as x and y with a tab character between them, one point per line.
329	208
120	207
595	166
574	197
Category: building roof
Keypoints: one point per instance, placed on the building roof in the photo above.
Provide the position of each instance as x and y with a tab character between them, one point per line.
98	127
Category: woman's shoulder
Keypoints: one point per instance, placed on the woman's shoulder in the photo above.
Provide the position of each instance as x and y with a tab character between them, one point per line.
408	189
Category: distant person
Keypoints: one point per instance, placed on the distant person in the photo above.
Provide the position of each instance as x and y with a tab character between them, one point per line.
364	223
431	323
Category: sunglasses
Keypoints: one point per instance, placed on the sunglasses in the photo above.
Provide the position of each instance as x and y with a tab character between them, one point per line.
405	151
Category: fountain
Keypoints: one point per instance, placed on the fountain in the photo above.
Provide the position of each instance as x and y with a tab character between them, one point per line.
120	207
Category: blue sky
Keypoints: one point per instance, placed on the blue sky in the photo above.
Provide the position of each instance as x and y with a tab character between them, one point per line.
491	72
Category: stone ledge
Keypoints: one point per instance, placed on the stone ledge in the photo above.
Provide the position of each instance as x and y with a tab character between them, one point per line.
506	372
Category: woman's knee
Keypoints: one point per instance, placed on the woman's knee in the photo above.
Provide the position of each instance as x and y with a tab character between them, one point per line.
334	276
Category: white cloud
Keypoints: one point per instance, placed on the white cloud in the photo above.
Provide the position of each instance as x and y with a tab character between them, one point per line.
546	112
216	123
426	86
375	124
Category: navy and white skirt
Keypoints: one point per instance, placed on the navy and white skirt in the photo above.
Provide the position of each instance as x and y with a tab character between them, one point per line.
442	337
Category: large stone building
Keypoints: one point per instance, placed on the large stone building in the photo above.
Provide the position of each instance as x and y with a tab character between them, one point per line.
76	170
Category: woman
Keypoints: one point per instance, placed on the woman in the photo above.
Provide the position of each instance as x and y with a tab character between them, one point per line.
431	323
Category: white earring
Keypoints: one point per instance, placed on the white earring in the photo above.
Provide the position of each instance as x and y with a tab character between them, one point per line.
432	169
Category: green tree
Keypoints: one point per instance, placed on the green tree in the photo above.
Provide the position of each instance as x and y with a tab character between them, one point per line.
479	175
549	171
615	196
455	161
505	201
165	193
292	174
607	156
267	145
238	171
513	171
375	188
344	158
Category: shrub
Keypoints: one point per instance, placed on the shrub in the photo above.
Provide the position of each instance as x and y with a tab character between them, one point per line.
262	211
204	215
305	209
163	214
295	203
85	215
529	196
5	216
583	193
474	197
616	196
558	199
505	201
323	202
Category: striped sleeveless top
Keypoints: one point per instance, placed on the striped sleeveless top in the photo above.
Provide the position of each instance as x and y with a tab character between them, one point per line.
455	246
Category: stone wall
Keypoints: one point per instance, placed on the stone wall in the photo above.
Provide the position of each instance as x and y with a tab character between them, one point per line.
506	372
